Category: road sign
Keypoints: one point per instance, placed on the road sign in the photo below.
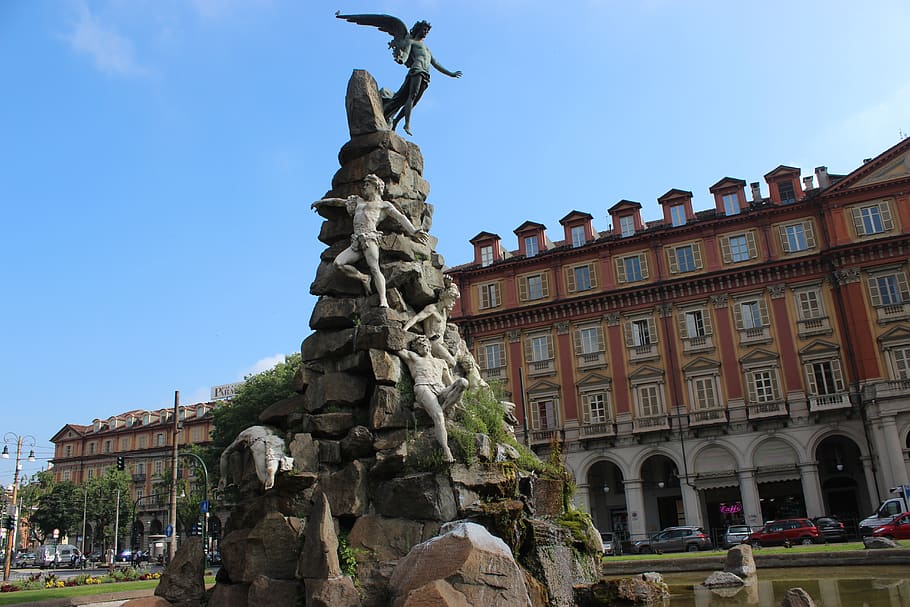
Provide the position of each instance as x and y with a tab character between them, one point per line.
169	531
204	506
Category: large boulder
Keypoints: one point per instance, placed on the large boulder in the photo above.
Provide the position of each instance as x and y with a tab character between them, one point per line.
875	543
182	583
319	557
637	590
266	592
268	549
470	560
797	597
740	561
723	579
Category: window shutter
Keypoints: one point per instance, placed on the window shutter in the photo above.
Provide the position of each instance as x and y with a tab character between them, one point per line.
763	312
571	285
725	249
784	241
551	351
592	271
809	229
497	294
620	270
545	284
523	288
652	331
576	335
706	320
902	287
858	221
874	293
838	376
529	349
885	209
535	416
696	254
750	242
775	384
601	342
672	261
751	382
644	266
482	357
630	342
484	296
811	384
585	409
738	315
682	325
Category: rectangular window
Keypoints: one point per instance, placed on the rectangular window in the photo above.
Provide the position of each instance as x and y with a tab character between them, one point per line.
531	248
66	475
535	286
540	348
797	237
108	446
649	400
763	386
631	269
731	204
787	194
91	448
140	468
491	356
594	408
696	324
490	295
159	466
738	247
69	450
686	258
872	219
704	393
640	332
125	443
589	340
809	304
578	236
486	255
159	440
580	278
90	473
544	415
627	225
197	434
888	289
751	315
901	358
825	377
678	215
142	441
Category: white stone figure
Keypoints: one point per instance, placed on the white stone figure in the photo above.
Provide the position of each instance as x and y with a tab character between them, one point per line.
434	388
433	319
368	211
268	451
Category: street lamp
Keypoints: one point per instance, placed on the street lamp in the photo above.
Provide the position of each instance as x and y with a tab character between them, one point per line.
204	506
30	441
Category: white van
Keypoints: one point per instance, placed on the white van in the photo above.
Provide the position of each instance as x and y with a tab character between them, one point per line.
58	556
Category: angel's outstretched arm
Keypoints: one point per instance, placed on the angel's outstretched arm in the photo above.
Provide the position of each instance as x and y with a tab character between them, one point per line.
438	66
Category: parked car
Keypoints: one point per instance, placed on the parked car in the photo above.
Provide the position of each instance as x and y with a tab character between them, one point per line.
897	529
25	559
786	532
735	534
674	539
832	529
612	544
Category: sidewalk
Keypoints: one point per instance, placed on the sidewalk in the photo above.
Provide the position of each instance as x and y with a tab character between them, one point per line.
102	599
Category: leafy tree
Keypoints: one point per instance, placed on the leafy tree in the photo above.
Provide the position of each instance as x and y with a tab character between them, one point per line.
101	504
59	506
256	394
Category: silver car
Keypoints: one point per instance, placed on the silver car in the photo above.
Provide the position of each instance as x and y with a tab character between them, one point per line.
674	539
735	534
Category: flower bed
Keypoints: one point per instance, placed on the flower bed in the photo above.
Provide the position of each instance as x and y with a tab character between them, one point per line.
50	580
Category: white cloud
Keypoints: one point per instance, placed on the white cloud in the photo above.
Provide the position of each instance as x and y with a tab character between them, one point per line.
198	395
264	364
111	52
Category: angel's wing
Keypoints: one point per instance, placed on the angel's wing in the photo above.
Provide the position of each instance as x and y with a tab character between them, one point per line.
386	23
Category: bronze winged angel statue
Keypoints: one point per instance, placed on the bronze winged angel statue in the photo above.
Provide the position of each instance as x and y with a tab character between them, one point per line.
408	48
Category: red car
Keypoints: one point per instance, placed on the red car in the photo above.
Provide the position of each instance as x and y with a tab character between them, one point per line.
897	529
786	532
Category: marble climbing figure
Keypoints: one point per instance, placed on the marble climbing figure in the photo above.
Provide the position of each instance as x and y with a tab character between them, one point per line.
368	211
433	318
435	390
408	48
268	451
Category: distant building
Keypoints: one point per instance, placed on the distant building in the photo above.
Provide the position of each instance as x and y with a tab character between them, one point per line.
144	439
742	363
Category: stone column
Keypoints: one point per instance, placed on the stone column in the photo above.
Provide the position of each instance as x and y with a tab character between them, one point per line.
635	502
869	473
812	491
691	504
582	499
894	454
748	491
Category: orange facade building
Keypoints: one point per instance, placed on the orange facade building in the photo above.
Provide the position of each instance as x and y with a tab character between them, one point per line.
736	364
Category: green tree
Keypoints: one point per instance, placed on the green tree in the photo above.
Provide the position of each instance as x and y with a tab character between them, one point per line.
256	394
59	506
101	505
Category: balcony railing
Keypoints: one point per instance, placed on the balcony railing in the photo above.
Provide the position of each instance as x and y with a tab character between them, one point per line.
539	437
643	352
813	326
589	361
755	335
892	389
829	402
541	367
764	410
700	343
139	477
607	428
706	417
493	373
652	423
893	312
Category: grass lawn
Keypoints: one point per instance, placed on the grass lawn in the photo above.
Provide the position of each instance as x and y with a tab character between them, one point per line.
28	596
814	548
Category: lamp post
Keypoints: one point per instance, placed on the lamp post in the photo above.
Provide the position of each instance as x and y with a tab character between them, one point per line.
9	438
204	506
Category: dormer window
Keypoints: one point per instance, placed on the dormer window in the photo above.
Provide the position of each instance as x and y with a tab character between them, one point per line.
786	191
678	215
578	236
486	255
531	246
627	226
731	204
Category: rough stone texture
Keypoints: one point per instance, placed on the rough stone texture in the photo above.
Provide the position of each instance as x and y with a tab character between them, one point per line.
547	494
334	313
363	105
328	344
335	592
797	597
551	559
437	593
328	424
875	543
488	480
148	601
622	591
386	367
346	490
335	389
740	561
262	550
388	539
386	410
424	496
471	560
358	443
229	595
304	451
722	579
360	145
319	557
417	280
282	412
329	451
182	583
266	592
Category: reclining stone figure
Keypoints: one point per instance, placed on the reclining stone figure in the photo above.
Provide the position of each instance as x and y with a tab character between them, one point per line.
268	451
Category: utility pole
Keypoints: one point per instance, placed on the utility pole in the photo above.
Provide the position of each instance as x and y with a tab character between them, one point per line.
172	544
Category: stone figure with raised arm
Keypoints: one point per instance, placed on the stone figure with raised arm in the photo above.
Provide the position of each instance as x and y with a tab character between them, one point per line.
408	48
268	452
435	390
368	211
434	317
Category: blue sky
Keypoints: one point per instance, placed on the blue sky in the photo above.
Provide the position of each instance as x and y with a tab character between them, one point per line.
158	157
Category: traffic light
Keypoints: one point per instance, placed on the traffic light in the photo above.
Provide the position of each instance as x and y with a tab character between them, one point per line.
121	462
9	522
197	529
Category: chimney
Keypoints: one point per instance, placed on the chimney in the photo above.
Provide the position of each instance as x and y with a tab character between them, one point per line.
867	160
756	191
823	179
807	183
